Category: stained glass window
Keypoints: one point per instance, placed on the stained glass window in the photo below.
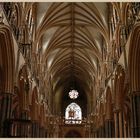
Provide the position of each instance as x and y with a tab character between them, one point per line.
73	114
73	94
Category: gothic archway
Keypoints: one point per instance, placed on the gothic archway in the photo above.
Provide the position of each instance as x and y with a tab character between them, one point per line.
7	68
7	59
133	60
134	78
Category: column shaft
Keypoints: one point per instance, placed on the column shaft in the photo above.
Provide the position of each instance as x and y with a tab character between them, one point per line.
109	129
116	118
135	115
6	112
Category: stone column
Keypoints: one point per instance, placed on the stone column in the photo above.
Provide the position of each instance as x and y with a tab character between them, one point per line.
135	100
102	131
41	132
116	119
121	128
38	129
97	133
127	129
94	133
24	115
18	129
33	130
6	112
109	129
46	133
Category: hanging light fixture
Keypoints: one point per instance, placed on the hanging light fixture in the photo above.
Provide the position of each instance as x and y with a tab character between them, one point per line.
73	94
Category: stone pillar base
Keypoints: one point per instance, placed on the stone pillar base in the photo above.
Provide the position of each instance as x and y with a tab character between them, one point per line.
109	129
136	114
6	112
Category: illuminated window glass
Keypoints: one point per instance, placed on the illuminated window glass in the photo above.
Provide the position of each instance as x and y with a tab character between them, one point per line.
73	94
73	114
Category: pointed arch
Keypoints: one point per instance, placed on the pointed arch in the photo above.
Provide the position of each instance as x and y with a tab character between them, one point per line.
133	59
18	10
7	59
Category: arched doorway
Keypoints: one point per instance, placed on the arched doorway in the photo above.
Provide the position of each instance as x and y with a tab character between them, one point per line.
73	134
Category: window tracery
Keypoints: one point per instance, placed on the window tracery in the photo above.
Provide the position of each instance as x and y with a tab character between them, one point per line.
73	94
73	114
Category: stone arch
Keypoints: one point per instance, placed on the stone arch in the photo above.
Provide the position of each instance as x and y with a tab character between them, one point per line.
126	8
7	59
134	78
116	8
119	40
133	59
15	19
18	11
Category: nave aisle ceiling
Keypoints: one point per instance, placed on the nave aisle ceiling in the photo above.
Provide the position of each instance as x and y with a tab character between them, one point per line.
70	39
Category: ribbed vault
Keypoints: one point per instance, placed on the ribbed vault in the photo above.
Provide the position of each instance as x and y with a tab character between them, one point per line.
71	38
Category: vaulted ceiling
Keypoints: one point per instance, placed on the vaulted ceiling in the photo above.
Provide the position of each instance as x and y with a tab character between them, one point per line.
71	38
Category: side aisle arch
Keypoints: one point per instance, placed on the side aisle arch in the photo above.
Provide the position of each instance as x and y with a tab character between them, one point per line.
7	59
134	78
7	68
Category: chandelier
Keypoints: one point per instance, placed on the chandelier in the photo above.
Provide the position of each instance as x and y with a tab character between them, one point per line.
73	94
